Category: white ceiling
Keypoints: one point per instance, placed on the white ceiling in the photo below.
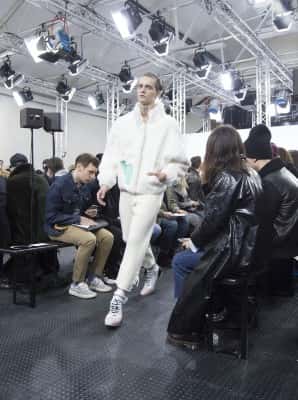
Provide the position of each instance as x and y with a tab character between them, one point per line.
20	17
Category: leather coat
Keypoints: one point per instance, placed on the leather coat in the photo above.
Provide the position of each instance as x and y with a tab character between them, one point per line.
227	235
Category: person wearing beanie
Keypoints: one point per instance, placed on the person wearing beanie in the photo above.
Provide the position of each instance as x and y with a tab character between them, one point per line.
279	207
17	159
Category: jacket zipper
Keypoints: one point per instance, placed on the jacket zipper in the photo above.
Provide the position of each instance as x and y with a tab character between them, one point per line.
141	157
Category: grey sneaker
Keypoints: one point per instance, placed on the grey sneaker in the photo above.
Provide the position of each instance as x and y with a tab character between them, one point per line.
81	290
151	276
98	285
115	315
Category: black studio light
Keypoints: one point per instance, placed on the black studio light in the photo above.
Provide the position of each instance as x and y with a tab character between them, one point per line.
127	19
160	35
125	74
65	91
22	96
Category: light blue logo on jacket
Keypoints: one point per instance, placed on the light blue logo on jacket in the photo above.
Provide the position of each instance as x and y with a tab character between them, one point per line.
127	170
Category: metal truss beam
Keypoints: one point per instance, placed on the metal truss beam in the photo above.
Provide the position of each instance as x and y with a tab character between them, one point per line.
15	44
112	105
224	15
100	26
263	93
179	99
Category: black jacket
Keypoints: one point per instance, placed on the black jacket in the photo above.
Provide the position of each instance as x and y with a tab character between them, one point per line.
195	190
19	205
4	224
227	235
279	208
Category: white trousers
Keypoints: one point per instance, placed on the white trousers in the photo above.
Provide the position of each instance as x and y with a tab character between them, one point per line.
137	215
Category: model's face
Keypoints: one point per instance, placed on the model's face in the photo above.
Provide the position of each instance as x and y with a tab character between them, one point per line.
86	174
146	91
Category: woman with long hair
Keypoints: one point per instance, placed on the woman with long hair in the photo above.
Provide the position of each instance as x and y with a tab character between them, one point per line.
223	242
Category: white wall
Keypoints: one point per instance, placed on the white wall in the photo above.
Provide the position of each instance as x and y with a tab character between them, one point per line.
86	133
283	136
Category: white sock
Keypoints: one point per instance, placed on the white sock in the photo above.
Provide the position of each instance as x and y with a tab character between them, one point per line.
119	292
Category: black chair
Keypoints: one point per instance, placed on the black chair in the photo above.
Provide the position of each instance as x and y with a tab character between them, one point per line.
239	284
18	252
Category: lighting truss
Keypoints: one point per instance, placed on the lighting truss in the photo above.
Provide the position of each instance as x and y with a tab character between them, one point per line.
16	45
263	94
224	15
100	26
112	105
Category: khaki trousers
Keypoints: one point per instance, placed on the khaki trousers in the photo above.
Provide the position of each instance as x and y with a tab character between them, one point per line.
86	242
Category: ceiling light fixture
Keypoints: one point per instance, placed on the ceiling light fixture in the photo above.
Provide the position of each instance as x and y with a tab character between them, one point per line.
127	19
96	100
23	96
65	91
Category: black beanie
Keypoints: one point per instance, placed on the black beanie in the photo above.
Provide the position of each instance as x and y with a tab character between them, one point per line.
258	144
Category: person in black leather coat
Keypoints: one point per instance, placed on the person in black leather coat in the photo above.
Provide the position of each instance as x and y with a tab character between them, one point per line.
226	233
279	207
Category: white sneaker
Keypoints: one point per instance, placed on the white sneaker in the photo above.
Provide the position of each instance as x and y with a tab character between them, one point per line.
98	285
81	290
115	315
151	276
109	281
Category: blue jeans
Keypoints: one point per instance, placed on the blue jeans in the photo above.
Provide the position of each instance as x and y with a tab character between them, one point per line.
183	264
156	233
172	229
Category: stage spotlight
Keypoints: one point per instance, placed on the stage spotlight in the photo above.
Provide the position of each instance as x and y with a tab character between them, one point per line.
281	97
127	19
6	71
160	35
214	110
282	22
125	74
227	80
96	100
65	91
202	62
41	48
282	14
214	106
77	66
9	76
14	81
23	96
128	87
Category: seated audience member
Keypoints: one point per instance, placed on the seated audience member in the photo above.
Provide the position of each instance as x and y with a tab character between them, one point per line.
222	243
4	226
179	202
67	203
278	228
294	155
286	158
24	228
55	168
19	202
172	228
193	180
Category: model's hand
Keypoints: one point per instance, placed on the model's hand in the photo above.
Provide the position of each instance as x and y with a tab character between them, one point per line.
161	176
101	194
87	221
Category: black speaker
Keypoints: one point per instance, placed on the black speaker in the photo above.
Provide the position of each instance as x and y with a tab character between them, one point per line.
31	118
295	82
52	122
